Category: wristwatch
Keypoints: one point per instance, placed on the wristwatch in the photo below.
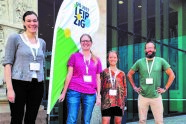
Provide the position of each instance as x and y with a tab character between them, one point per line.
165	89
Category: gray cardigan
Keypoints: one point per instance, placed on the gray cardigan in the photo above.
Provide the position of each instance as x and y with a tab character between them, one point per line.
19	55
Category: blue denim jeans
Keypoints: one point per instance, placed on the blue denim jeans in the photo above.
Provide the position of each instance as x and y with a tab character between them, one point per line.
74	99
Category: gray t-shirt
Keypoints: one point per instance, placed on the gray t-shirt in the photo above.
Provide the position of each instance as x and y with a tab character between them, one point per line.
19	55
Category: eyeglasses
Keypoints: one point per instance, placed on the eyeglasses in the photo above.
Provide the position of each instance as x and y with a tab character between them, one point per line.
85	41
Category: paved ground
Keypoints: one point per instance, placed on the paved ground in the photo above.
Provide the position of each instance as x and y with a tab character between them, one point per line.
168	120
181	119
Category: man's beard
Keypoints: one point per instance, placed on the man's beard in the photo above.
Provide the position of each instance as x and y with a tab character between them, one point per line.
150	55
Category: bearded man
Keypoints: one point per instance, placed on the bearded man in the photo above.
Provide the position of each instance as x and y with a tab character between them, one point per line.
150	71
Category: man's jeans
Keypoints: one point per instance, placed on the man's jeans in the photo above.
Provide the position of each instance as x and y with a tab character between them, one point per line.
74	99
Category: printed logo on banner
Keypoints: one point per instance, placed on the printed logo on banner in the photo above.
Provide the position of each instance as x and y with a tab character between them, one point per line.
81	15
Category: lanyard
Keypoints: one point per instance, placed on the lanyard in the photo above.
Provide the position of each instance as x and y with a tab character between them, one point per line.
113	80
34	53
36	46
87	64
149	71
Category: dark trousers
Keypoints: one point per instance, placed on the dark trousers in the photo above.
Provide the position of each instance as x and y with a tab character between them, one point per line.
29	94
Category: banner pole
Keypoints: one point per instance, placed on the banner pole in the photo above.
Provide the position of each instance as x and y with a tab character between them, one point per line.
48	118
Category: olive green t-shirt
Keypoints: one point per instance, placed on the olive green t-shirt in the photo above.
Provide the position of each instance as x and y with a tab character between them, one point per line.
160	65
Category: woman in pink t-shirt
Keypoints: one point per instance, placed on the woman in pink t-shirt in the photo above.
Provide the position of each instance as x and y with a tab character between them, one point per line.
82	82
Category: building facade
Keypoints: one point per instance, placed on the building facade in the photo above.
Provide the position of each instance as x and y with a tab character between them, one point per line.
130	23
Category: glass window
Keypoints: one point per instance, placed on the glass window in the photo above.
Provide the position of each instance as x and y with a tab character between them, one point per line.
138	21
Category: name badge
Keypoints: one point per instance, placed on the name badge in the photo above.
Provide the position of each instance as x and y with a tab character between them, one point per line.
34	66
112	92
149	80
87	78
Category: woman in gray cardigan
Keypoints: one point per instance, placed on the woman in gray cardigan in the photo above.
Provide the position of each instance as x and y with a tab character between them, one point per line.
24	74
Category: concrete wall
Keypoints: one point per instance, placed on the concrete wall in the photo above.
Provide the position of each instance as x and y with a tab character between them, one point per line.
99	39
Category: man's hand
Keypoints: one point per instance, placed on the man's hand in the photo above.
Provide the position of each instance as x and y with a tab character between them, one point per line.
138	90
161	90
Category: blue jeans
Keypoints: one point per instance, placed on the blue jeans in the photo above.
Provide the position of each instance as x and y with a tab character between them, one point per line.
74	99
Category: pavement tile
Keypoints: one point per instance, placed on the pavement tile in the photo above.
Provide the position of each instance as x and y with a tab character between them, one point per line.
168	120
